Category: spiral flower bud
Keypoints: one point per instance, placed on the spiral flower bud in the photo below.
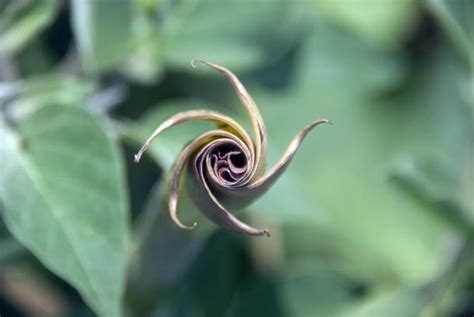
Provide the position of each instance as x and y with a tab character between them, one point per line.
226	165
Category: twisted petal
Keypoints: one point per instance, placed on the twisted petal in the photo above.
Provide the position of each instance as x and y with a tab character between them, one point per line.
252	110
221	121
213	208
248	194
226	166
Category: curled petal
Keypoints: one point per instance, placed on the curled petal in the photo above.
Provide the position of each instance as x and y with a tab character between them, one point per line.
221	120
225	166
245	195
177	170
212	208
253	112
280	166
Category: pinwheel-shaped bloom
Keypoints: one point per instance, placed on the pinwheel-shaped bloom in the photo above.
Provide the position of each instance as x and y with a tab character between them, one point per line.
227	167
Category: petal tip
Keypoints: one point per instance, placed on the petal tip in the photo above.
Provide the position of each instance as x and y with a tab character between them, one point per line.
189	228
195	61
185	227
136	158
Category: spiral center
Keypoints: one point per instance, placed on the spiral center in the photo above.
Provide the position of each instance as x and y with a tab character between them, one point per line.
228	163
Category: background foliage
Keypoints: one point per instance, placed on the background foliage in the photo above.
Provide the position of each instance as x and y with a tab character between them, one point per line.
375	216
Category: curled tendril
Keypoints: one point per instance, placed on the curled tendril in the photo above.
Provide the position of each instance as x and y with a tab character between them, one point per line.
227	166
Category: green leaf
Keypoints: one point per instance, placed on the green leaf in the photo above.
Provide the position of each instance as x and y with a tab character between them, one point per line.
22	20
144	64
247	35
62	185
49	89
396	303
338	59
379	233
381	23
438	185
102	30
257	296
311	289
455	18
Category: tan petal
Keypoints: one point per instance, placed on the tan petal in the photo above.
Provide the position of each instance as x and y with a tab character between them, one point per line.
210	205
246	195
252	110
226	168
207	202
182	117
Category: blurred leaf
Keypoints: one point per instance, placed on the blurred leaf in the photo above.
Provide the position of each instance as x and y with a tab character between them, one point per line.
161	255
230	33
452	291
456	18
340	65
102	30
375	231
257	296
26	97
222	257
21	20
34	59
428	299
433	181
314	290
63	189
50	89
437	185
465	197
407	303
342	197
11	250
384	23
144	64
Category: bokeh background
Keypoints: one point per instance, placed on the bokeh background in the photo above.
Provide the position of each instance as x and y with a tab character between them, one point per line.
374	217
